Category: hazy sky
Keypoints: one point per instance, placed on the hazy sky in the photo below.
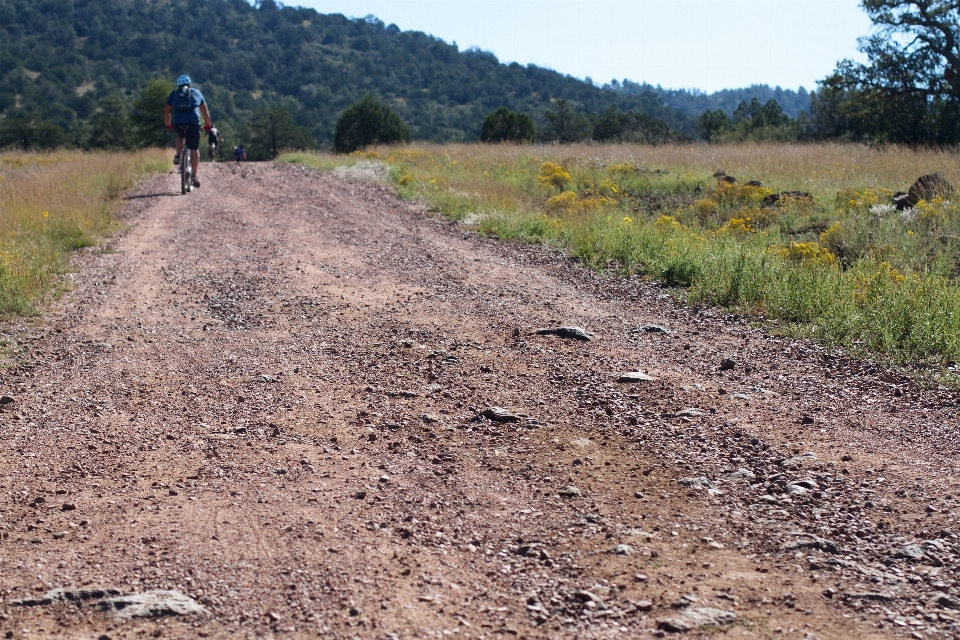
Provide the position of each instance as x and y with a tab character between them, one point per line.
703	44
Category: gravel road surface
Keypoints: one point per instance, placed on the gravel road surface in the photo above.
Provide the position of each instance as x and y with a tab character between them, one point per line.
289	405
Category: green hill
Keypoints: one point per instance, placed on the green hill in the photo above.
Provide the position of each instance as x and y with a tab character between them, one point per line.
61	57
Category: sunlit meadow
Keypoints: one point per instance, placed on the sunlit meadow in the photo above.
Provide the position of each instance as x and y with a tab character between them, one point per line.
842	265
52	204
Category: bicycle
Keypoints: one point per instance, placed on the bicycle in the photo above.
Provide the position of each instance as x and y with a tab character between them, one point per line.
186	171
212	150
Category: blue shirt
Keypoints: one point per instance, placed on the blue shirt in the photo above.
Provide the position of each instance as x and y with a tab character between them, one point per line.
186	109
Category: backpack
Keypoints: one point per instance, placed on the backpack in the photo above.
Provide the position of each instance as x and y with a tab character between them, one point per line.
183	101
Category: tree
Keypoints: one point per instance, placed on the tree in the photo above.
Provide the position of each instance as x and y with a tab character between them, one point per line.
368	122
109	127
751	121
272	130
616	126
28	134
565	125
909	90
712	123
504	125
146	116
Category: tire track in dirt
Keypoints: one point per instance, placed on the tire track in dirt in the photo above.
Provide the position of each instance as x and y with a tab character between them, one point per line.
267	395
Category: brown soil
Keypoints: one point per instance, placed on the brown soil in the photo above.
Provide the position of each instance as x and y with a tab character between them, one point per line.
267	395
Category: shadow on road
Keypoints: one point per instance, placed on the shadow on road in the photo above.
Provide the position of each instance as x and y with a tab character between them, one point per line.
151	195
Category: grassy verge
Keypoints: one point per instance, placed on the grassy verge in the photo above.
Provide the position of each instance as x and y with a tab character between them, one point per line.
841	267
52	204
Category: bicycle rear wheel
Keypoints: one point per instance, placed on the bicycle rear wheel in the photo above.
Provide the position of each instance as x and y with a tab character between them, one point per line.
186	185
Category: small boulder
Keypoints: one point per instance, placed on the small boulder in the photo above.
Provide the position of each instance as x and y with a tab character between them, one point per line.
700	482
499	414
573	333
779	199
926	187
929	187
911	552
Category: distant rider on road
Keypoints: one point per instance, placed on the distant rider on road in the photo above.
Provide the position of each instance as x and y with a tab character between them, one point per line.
182	114
214	138
239	154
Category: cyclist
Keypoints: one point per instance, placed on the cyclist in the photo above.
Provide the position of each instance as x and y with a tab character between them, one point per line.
239	154
182	114
214	138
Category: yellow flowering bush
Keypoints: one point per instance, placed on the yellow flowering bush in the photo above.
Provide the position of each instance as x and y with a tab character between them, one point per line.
608	187
805	252
592	204
850	199
553	175
665	222
405	179
565	201
834	237
623	167
728	194
871	287
738	226
705	207
931	211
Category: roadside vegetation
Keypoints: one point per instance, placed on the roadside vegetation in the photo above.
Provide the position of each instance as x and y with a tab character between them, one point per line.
842	266
53	204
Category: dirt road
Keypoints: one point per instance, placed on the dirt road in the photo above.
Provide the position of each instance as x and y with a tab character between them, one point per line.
268	397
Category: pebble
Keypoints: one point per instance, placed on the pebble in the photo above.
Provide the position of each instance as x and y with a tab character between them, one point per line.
635	376
727	363
6	400
623	550
650	328
569	491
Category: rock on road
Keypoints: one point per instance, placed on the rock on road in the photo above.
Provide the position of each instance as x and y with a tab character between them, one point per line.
293	406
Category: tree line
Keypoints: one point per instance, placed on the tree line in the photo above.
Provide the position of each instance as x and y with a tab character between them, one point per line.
72	70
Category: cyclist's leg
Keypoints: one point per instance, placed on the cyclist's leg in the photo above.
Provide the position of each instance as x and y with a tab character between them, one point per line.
179	146
192	140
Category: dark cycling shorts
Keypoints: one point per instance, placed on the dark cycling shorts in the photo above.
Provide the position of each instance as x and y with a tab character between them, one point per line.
190	132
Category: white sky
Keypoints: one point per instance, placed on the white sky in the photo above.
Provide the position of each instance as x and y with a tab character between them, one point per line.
702	44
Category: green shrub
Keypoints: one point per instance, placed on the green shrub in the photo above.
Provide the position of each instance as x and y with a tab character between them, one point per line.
504	125
368	122
272	130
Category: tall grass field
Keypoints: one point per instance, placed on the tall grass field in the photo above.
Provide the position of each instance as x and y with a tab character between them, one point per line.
53	204
842	266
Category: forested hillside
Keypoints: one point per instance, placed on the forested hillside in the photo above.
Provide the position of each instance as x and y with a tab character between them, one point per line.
62	60
694	103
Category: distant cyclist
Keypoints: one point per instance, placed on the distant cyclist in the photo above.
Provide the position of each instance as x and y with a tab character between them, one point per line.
239	154
182	114
214	138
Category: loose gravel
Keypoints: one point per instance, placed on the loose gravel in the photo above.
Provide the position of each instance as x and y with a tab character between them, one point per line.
289	405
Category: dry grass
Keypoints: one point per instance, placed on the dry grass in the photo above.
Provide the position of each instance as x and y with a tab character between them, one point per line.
839	268
52	204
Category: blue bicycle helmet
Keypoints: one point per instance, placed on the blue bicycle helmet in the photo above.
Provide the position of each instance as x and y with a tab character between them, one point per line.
183	80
